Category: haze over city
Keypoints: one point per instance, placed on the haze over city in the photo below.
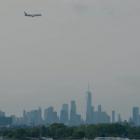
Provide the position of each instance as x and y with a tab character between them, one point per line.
51	59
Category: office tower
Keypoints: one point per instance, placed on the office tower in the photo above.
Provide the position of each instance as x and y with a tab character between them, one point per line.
78	119
64	114
72	112
55	117
113	116
104	118
75	119
99	108
33	117
119	118
73	108
40	120
89	110
2	114
25	119
130	121
48	113
100	116
5	121
136	118
50	116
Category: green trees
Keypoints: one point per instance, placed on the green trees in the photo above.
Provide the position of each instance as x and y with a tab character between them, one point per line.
57	131
60	131
79	132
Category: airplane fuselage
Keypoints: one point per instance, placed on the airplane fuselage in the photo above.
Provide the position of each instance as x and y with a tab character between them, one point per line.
32	15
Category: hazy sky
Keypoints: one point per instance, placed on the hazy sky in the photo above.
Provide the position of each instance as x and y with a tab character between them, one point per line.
49	60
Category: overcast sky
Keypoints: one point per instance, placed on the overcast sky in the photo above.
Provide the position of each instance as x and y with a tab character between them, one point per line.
49	60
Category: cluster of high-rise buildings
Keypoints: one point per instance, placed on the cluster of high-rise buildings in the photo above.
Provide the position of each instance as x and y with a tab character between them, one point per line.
68	115
92	116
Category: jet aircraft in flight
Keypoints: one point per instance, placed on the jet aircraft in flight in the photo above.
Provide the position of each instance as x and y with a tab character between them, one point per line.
32	15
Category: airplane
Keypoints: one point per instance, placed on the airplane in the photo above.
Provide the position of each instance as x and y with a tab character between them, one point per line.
32	15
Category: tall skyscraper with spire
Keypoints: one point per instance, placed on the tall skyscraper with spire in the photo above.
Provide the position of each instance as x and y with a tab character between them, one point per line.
89	110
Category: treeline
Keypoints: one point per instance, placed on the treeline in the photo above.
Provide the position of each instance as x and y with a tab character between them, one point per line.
60	131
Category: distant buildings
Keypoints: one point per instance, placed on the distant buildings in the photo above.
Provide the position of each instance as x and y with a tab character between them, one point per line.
33	117
68	115
101	116
75	119
50	116
113	116
2	114
136	116
4	120
92	116
119	118
89	111
64	114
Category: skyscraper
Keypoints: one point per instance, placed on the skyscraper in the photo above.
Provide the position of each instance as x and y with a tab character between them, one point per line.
50	116
72	112
2	114
40	120
113	116
119	118
75	119
64	114
33	117
136	117
100	116
89	110
99	108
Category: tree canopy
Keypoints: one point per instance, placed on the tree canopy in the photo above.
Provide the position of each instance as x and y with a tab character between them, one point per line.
58	131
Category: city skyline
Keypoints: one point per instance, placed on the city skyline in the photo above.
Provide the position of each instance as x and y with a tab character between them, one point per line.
86	110
88	104
69	115
49	60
